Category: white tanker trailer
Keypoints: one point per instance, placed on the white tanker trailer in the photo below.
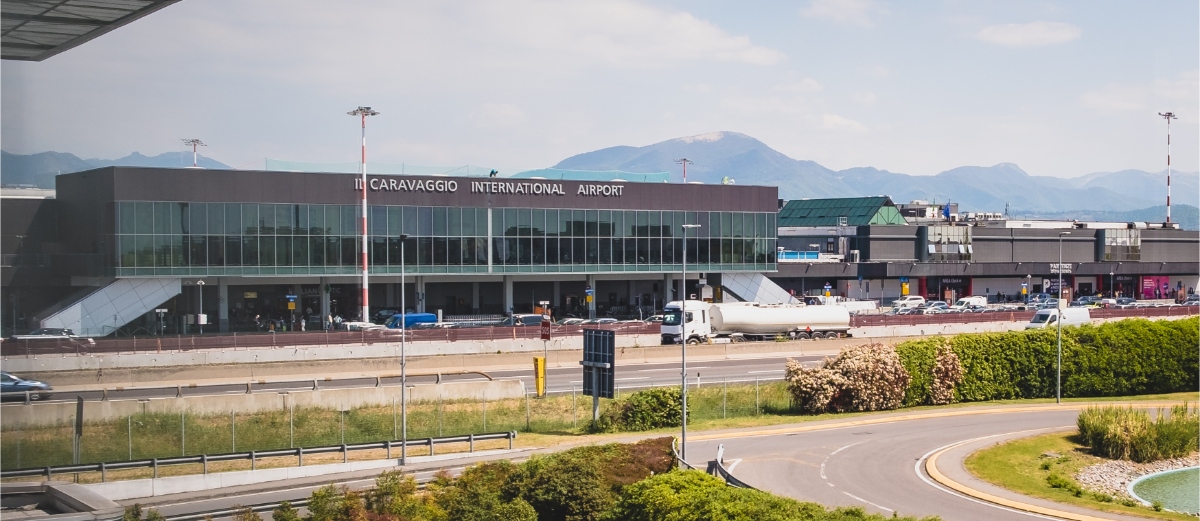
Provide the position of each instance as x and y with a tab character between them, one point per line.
750	321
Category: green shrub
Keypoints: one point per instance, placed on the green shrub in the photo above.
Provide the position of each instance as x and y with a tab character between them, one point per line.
1120	358
1127	433
642	411
867	377
696	496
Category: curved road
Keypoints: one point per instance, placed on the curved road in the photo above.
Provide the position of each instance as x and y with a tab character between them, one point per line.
877	464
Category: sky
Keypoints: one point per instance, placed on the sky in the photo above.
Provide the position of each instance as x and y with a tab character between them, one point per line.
1060	88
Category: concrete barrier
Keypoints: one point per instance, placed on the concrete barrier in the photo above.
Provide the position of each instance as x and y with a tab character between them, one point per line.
39	414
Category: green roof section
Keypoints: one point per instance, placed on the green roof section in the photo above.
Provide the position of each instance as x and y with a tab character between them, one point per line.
858	211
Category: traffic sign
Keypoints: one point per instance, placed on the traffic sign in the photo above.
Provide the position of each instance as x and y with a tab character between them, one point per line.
599	354
545	329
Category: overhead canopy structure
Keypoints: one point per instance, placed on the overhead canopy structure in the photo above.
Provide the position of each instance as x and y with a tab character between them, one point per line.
849	211
33	30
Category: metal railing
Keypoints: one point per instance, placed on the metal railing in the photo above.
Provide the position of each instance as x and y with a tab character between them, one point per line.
717	468
254	456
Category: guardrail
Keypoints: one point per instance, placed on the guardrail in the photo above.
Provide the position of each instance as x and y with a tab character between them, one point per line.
717	468
254	456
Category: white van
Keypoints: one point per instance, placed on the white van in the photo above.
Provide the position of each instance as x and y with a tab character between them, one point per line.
1049	318
910	301
966	302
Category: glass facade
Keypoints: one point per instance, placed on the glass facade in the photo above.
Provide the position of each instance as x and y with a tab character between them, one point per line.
201	239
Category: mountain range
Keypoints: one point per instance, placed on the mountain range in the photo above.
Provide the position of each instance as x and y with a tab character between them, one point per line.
39	169
735	157
717	155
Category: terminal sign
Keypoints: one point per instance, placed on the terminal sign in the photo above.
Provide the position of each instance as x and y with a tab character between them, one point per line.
1060	268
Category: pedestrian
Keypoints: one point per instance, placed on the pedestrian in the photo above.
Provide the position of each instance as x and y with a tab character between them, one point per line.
302	324
328	322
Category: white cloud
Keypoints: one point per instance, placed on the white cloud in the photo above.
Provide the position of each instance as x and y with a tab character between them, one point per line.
1128	97
1032	34
836	122
844	12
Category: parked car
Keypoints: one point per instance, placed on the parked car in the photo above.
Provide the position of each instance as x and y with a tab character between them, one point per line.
570	321
1192	300
521	319
935	307
654	319
1086	301
14	387
1125	302
51	333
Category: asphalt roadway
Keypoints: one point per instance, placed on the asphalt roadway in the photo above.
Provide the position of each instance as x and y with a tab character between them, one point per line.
879	463
558	379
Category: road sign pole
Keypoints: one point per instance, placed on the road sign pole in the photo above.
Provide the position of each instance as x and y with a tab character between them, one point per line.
595	394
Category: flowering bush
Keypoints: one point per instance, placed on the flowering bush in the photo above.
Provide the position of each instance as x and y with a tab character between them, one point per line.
862	378
947	374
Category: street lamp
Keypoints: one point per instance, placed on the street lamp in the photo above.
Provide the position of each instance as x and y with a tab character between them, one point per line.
403	361
200	318
1058	379
1111	288
363	112
683	339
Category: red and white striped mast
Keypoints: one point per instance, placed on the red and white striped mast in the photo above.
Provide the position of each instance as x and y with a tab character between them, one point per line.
1168	116
363	112
195	143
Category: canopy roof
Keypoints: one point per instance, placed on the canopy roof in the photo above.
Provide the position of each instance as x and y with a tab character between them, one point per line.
33	30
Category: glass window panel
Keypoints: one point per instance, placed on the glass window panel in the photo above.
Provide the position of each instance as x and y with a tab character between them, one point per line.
736	229
726	224
643	221
379	251
378	221
655	223
454	251
198	218
250	221
454	222
177	250
714	224
316	251
351	216
393	251
181	219
221	255
300	250
233	251
509	216
395	215
760	225
351	255
604	251
726	251
266	251
333	220
198	256
618	223
578	224
409	251
333	249
425	250
738	251
144	218
425	221
316	220
250	251
525	251
524	221
702	250
162	251
591	223
552	257
655	250
266	223
552	224
481	220
128	255
468	222
469	245
283	251
643	250
537	226
439	223
630	251
301	217
162	218
285	219
224	219
145	251
128	219
564	222
618	250
410	222
578	250
539	251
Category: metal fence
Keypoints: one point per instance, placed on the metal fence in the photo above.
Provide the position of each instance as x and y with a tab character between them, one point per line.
254	456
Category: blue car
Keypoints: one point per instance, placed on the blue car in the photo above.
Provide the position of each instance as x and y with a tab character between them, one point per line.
12	386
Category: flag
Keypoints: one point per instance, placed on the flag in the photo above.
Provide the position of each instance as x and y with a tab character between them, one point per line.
946	211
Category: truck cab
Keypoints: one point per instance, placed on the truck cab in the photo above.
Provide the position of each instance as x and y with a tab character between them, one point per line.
690	316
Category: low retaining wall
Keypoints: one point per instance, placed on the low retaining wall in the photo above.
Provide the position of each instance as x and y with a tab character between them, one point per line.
37	414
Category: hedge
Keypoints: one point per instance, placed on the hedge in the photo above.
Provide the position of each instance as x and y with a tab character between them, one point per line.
1120	358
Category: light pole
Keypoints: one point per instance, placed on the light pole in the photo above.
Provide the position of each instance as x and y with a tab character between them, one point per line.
403	362
200	318
1111	288
1059	313
195	143
363	112
683	340
1168	116
684	162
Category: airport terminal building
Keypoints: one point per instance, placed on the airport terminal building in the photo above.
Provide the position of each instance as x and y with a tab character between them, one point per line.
112	245
271	244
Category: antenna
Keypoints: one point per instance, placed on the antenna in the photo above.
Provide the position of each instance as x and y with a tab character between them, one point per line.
195	143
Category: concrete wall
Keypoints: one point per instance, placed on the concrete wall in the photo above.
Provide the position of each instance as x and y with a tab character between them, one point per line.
64	413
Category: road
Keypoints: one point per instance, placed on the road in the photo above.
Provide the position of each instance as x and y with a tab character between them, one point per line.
879	467
559	379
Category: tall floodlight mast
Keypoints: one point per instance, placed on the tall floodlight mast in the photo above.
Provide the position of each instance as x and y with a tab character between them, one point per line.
363	112
1168	116
194	143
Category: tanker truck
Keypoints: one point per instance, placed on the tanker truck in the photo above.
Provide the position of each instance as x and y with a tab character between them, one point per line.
750	321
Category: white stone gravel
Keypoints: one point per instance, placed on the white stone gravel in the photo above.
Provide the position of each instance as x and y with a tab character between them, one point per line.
1114	477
